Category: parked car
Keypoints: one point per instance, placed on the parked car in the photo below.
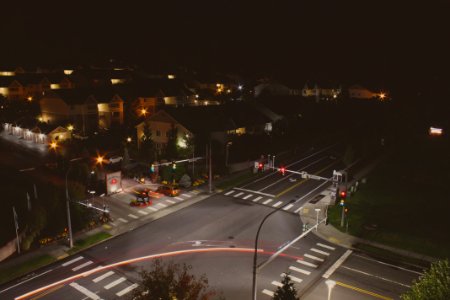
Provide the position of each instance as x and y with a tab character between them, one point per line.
115	159
168	190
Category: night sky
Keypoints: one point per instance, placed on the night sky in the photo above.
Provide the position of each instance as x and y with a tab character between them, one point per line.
382	41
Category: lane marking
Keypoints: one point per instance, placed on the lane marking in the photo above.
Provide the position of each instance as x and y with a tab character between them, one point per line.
299	270
293	278
277	283
72	261
257	199
298	209
230	192
186	195
387	264
376	276
162	204
238	194
288	207
363	291
127	290
267	201
143	212
41	295
133	216
22	282
170	201
277	204
325	246
248	196
254	192
179	198
82	266
337	264
85	291
313	257
152	208
267	292
122	220
114	283
100	278
307	263
320	251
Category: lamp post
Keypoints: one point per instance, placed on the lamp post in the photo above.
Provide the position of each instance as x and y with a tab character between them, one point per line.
69	222
317	217
227	149
256	245
330	284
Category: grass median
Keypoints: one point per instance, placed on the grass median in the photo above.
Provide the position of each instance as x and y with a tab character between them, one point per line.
9	273
88	241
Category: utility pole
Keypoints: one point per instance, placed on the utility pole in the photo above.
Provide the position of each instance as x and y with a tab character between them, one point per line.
210	168
16	225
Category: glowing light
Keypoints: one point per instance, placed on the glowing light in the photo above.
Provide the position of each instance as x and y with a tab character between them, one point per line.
382	96
99	159
182	143
70	127
435	131
171	76
53	145
40	119
144	112
29	98
129	139
68	72
240	87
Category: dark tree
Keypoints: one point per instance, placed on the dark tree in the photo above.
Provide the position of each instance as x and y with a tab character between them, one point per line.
147	145
287	291
172	281
171	151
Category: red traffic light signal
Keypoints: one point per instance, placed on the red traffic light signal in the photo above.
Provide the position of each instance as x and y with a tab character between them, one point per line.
282	170
343	194
260	166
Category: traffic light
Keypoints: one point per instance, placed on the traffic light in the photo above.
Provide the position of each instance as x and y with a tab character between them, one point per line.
346	210
343	194
260	166
174	166
152	168
283	170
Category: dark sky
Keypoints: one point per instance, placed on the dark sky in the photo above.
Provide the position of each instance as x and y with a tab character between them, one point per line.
315	38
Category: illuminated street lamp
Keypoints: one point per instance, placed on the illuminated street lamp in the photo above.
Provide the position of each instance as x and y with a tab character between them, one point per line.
129	139
70	127
143	112
53	145
382	96
330	284
99	160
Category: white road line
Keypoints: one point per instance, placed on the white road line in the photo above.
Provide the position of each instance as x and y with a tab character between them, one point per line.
101	277
195	192
325	246
72	261
337	264
313	257
267	201
307	263
257	199
122	220
238	194
161	204
114	283
299	270
277	283
127	290
298	209
143	212
230	192
170	201
179	198
186	195
268	293
378	277
320	251
133	216
386	264
152	208
288	207
248	196
82	266
85	291
277	204
113	224
293	278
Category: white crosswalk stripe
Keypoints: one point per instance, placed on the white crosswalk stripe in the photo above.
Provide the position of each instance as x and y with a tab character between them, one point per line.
114	283
82	266
127	290
267	292
238	194
143	212
133	216
170	201
307	263
257	199
325	246
248	196
85	291
179	198
277	204
313	257
293	278
122	220
277	283
152	208
101	277
186	195
320	251
297	210
230	192
162	205
72	261
288	207
267	201
299	270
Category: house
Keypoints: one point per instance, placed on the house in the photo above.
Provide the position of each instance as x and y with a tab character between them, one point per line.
34	84
60	81
322	91
11	88
359	92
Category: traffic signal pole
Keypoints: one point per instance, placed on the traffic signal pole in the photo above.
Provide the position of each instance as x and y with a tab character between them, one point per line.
342	215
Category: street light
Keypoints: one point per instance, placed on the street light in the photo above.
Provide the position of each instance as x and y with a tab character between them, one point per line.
330	284
100	160
256	244
129	139
69	222
53	145
317	219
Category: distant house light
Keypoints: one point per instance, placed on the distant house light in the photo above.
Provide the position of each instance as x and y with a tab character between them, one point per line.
171	76
435	131
117	81
55	86
68	71
7	73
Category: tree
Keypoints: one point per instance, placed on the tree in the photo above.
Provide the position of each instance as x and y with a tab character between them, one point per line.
287	291
171	151
147	144
434	284
172	281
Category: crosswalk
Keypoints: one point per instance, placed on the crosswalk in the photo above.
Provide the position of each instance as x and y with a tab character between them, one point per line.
262	199
298	271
